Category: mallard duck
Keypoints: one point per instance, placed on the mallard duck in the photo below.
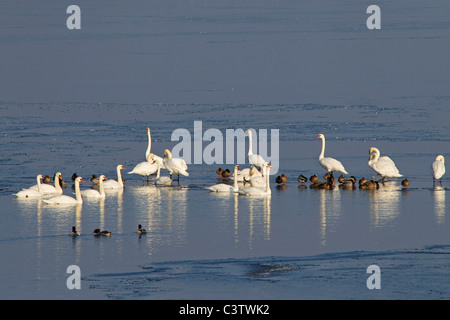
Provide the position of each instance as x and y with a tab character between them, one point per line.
46	179
405	183
94	179
313	178
302	179
219	171
226	173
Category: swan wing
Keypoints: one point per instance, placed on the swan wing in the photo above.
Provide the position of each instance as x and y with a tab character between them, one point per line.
438	169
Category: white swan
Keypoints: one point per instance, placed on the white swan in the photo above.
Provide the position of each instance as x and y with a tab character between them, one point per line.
438	168
48	189
254	159
63	199
257	179
384	166
31	193
255	191
330	164
144	169
175	165
242	175
113	184
223	187
149	148
97	194
164	180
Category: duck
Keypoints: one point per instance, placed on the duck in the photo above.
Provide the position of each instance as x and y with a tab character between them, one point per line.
94	179
102	233
97	194
313	178
175	165
74	232
140	230
219	171
226	173
67	200
405	183
31	193
369	185
46	179
330	164
302	179
223	187
115	184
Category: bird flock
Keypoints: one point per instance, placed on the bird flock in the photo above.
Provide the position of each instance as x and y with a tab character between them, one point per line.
253	181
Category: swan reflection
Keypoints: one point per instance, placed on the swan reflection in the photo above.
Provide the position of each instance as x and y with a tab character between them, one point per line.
439	203
259	218
384	203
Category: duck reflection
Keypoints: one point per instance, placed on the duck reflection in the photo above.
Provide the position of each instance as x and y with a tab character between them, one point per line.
384	203
439	203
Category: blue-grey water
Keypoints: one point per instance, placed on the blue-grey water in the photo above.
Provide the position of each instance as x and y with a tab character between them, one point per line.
79	101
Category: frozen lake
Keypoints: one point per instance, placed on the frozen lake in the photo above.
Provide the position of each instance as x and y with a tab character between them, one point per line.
80	103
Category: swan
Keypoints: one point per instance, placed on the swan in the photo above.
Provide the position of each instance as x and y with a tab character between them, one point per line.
113	184
175	165
144	169
242	175
63	199
223	187
384	166
164	180
330	164
255	191
149	147
92	193
31	193
438	168
258	180
254	159
48	189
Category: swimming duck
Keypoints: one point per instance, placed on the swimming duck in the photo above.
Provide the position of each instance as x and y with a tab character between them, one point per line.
226	173
46	179
313	178
140	230
101	233
74	232
94	179
219	171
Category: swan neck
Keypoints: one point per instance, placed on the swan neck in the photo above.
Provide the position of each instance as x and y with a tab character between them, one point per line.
250	143
266	172
119	176
158	171
323	148
57	184
149	145
235	184
77	191
38	179
100	187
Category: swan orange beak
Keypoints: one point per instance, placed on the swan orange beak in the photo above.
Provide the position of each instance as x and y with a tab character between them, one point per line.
82	180
317	137
239	167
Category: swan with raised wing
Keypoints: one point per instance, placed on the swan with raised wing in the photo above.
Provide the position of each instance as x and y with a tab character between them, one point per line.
67	200
330	164
223	187
384	166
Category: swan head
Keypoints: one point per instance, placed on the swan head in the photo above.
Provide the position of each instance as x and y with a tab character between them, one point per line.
236	167
58	175
120	167
320	136
374	156
440	158
79	179
102	177
373	149
167	154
